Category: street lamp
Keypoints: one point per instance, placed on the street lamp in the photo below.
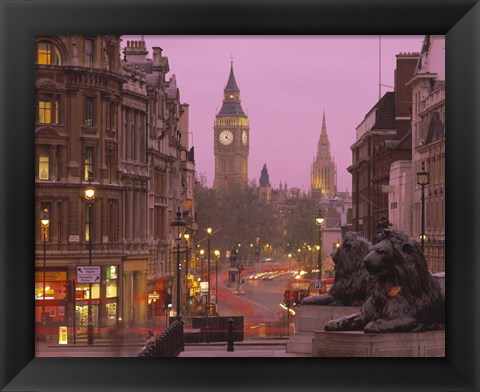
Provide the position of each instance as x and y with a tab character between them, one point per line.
202	252
44	221
423	180
217	254
209	233
187	296
319	221
90	199
178	227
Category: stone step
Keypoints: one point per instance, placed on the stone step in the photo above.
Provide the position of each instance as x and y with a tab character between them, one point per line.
300	343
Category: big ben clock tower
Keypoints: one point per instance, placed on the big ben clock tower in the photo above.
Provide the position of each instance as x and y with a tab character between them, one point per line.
231	139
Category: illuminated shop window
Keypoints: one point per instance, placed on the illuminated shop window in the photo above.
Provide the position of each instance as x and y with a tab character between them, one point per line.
112	279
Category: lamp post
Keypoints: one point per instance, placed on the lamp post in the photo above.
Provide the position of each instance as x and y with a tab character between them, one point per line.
217	254
319	221
202	252
178	227
45	221
209	233
187	296
423	180
90	198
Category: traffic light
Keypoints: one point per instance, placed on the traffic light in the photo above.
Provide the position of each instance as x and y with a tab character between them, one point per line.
295	298
167	300
286	298
69	290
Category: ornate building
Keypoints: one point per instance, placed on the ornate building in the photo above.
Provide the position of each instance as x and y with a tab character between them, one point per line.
428	149
231	139
78	80
124	124
323	175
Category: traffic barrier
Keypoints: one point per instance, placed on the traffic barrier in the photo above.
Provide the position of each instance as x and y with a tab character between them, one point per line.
169	344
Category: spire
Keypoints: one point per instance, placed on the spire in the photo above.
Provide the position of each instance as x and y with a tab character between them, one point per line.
264	177
231	97
231	86
324	125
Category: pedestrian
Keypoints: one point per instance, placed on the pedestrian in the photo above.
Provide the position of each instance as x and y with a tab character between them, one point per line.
151	340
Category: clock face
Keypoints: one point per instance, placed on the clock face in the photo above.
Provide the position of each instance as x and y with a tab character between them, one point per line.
226	137
244	138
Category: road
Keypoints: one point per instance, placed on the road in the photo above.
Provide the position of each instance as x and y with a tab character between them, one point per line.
260	301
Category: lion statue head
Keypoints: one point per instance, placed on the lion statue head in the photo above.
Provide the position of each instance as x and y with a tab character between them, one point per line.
403	295
350	285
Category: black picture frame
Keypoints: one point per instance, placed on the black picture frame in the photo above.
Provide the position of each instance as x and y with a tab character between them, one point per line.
21	21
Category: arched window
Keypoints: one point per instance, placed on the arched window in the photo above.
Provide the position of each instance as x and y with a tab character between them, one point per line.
48	54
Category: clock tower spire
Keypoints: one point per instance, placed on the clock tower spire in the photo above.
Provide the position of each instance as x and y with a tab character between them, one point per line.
231	138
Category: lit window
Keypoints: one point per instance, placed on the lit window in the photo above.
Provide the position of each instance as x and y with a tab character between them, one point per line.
48	109
88	161
48	54
44	163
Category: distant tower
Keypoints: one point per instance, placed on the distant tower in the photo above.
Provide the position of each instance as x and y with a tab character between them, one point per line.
231	139
324	170
265	190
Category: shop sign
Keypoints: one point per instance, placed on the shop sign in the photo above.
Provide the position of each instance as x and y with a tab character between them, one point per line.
62	335
50	276
204	287
153	296
88	274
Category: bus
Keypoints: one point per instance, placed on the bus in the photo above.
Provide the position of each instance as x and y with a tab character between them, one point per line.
298	289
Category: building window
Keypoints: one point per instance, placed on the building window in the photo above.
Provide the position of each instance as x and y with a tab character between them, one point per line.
87	223
111	116
110	164
89	53
88	162
44	162
48	54
89	111
48	110
112	220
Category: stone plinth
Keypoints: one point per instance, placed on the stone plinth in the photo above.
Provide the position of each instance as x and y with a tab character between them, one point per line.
312	318
360	344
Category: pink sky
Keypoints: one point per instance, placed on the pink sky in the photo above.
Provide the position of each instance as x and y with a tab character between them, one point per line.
285	84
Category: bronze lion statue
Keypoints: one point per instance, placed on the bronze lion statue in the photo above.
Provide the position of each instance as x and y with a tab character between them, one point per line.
350	285
403	296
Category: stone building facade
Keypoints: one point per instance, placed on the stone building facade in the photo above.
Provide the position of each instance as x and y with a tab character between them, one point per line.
94	114
428	148
383	137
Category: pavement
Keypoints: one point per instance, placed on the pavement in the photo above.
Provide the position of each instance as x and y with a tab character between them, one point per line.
107	348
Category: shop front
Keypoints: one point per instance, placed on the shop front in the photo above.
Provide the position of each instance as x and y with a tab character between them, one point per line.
51	300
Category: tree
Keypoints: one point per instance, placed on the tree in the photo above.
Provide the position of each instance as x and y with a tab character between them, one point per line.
237	217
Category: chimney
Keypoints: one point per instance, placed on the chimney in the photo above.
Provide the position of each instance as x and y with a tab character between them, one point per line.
157	55
135	52
406	64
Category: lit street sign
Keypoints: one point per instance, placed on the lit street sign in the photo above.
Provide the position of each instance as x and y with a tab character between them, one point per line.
204	287
316	285
88	274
